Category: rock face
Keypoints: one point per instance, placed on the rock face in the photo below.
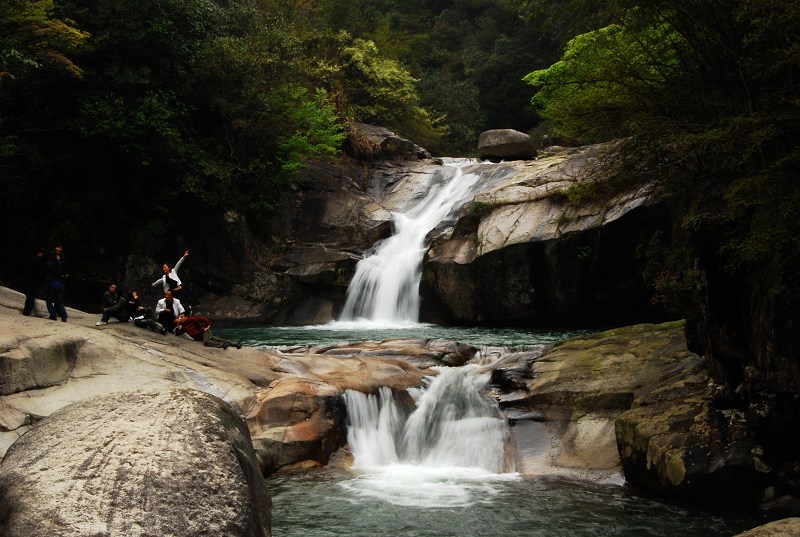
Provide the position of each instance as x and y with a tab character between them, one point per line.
505	144
570	397
787	527
638	397
375	142
520	254
175	462
45	366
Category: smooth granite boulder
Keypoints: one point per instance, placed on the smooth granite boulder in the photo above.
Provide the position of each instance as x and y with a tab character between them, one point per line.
173	462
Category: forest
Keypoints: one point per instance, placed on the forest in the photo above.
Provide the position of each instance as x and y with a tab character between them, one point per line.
124	123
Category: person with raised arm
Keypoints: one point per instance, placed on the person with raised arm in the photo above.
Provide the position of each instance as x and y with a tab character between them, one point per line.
169	279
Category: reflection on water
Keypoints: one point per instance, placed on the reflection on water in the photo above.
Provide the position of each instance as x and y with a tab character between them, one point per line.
334	502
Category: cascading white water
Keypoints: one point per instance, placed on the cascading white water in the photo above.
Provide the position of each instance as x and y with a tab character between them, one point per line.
449	451
385	287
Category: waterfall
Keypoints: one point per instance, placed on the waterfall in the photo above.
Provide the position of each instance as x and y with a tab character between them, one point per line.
385	287
450	450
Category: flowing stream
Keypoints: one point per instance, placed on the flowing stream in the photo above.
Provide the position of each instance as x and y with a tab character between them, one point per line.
435	463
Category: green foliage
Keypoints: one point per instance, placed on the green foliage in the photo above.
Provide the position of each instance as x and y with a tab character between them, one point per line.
313	129
140	125
32	38
379	90
606	82
469	58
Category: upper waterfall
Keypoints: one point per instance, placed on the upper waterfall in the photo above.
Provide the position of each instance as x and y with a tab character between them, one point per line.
385	287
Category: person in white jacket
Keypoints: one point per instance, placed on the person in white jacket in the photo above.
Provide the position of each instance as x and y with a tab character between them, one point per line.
169	279
168	309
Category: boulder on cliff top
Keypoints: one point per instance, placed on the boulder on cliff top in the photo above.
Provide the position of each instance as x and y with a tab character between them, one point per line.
505	144
371	142
175	462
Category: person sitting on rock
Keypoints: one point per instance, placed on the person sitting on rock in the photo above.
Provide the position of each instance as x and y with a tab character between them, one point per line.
199	328
142	316
168	309
114	305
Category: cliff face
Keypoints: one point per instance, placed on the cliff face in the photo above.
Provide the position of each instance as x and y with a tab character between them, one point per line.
521	254
517	253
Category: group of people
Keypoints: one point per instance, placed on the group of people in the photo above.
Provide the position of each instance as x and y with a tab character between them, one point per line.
170	314
48	271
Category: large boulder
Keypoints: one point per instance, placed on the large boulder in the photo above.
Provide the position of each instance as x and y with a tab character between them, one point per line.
297	422
520	253
565	402
787	527
505	144
175	462
374	142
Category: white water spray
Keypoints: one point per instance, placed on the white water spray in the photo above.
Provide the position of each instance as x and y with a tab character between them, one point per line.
385	287
451	450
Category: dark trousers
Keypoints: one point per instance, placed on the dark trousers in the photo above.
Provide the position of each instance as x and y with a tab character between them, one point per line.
147	321
210	340
31	292
167	320
119	311
55	301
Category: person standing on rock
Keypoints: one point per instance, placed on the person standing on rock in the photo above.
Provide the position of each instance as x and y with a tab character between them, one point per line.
56	278
114	305
168	310
33	278
143	316
199	328
169	279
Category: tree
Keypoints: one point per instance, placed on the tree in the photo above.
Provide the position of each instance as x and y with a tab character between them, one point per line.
32	38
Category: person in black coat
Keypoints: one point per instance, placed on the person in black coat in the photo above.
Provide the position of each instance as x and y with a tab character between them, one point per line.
33	278
57	274
114	305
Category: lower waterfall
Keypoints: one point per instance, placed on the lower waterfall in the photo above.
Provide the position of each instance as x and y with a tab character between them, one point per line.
450	450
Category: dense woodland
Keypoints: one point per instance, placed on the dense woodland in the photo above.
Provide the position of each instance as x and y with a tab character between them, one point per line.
123	123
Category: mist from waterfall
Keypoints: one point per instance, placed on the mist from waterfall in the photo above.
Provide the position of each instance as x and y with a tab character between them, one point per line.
385	287
450	450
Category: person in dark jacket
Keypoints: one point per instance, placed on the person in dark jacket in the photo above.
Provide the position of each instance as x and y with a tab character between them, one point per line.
56	279
199	328
33	279
114	305
143	316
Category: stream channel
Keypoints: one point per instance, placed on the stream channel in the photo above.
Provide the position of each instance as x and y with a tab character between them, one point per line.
444	469
388	495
